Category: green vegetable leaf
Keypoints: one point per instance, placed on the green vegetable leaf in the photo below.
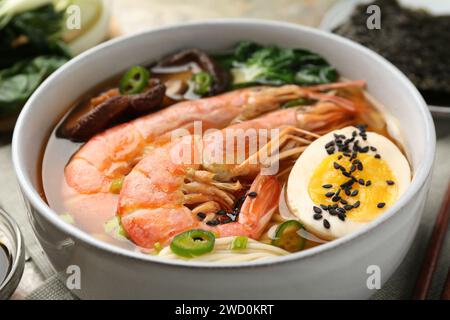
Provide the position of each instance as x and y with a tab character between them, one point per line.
31	49
30	34
251	64
19	82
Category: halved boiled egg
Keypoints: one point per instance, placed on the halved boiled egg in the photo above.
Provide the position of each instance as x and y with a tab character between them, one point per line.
344	180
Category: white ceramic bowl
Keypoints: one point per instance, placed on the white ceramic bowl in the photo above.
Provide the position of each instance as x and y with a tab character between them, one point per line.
334	270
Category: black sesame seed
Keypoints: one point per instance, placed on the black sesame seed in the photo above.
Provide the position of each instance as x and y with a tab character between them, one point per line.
225	220
390	182
326	224
354	133
381	205
317	209
373	149
324	207
361	181
252	194
346	174
213	222
361	127
340	210
348	183
348	207
343	201
329	144
377	156
354	192
356	204
327	186
347	192
340	157
317	216
221	212
360	166
342	216
352	168
201	215
239	203
330	150
368	183
336	165
332	212
329	194
364	150
335	198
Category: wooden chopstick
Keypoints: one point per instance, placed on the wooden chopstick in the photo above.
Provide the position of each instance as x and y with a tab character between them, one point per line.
434	247
445	295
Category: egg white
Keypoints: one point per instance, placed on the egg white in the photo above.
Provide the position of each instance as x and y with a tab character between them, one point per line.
297	194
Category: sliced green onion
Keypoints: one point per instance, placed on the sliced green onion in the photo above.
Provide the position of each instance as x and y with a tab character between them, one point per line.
239	243
193	243
114	228
287	237
134	81
67	217
202	82
157	246
116	185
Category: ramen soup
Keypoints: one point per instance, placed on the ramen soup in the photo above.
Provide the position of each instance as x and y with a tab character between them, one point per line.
251	154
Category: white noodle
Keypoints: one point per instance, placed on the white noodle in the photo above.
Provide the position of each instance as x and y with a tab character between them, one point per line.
222	252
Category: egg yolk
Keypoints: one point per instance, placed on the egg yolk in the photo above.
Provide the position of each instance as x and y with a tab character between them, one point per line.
382	188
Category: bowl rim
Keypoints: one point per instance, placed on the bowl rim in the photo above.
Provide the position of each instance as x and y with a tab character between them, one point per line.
11	281
32	195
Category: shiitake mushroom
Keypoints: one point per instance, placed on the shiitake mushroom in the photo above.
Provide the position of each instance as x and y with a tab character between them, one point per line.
109	109
220	77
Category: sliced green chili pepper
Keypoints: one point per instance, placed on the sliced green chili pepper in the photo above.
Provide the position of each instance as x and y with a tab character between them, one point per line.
202	82
239	243
193	243
134	81
116	185
287	237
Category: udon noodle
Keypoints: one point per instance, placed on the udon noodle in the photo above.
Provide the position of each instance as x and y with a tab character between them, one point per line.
222	252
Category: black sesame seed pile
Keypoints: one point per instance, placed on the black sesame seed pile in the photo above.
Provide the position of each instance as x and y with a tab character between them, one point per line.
350	148
222	216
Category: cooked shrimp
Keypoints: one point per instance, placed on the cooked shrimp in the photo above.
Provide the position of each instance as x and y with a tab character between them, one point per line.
161	197
112	154
94	175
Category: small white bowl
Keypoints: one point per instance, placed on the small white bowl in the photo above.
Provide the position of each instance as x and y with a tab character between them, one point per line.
338	269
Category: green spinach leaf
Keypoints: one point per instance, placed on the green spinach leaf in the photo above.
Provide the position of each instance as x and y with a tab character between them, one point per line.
19	82
251	63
